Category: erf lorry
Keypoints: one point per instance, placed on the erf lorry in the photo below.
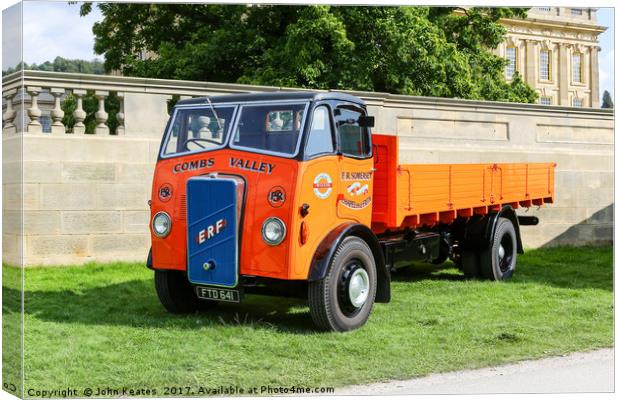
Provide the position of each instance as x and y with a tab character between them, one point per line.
289	194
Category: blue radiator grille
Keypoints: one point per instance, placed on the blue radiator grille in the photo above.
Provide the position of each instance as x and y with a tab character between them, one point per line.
212	230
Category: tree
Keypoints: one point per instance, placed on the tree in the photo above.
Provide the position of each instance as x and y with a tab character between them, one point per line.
408	50
607	101
62	65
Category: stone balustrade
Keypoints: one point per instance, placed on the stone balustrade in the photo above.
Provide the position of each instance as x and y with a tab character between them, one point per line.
134	94
71	197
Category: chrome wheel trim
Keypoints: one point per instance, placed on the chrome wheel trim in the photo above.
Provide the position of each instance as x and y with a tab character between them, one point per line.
359	287
502	252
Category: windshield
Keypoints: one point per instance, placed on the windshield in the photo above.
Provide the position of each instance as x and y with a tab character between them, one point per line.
198	129
273	128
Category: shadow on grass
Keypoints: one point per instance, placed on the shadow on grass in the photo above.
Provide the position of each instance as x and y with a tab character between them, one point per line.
588	267
426	272
134	303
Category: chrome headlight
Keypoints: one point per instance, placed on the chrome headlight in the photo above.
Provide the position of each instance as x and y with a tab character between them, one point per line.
161	224
273	231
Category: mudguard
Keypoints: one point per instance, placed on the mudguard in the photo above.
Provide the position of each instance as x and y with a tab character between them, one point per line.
509	213
149	259
328	246
479	233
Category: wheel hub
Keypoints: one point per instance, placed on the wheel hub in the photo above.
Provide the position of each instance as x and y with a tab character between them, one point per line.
502	252
359	285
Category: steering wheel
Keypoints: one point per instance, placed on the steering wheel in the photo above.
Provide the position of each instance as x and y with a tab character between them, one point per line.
198	140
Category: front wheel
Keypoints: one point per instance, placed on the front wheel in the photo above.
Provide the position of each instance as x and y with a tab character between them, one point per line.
343	300
176	294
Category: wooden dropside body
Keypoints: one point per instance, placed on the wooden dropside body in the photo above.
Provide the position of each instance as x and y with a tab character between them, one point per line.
415	195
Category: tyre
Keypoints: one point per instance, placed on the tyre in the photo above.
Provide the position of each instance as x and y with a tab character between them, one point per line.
176	294
498	261
470	264
343	300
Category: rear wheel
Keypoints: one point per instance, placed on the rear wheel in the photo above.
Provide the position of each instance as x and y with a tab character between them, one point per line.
343	300
176	294
470	264
498	261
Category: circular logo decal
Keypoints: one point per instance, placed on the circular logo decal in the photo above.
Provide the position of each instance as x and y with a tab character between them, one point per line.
322	185
165	192
276	196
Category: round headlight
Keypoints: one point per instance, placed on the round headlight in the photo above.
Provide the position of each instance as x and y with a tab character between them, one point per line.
161	224
274	231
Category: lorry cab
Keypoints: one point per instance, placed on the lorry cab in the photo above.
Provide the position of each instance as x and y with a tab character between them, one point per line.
246	188
289	193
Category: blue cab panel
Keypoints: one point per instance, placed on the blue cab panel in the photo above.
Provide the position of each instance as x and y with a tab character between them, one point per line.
212	230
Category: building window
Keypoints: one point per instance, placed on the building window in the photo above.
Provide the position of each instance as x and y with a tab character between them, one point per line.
577	102
511	55
545	100
46	123
577	67
544	9
576	12
545	65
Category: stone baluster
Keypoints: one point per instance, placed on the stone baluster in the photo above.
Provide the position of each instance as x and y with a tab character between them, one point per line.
101	116
34	113
9	114
120	116
79	115
57	113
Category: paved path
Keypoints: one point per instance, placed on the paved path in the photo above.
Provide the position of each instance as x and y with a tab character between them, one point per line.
576	372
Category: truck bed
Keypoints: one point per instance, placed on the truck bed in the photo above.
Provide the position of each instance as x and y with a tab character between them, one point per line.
414	195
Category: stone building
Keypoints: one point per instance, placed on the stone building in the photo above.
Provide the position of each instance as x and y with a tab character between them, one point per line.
555	50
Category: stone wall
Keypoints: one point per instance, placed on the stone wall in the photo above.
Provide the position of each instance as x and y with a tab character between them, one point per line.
84	197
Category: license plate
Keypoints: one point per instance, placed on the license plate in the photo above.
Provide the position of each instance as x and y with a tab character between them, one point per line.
210	293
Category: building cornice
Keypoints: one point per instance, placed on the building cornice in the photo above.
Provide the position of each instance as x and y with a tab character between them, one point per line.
565	25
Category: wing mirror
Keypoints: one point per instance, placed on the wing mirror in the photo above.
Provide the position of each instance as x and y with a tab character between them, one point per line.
366	121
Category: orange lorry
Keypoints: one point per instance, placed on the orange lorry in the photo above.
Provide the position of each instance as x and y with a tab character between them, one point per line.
290	194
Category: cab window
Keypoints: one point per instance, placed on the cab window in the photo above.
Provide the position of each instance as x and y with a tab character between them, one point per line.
273	128
320	139
354	140
198	129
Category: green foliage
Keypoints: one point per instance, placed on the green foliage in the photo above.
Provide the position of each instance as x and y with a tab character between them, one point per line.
607	101
429	51
62	65
102	326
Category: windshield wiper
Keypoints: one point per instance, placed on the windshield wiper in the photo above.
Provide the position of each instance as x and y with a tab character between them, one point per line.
217	119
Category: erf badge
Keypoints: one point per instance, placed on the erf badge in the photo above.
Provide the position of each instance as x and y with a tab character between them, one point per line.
165	192
276	196
322	185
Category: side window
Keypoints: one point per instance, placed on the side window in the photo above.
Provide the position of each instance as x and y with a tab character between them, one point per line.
354	139
320	137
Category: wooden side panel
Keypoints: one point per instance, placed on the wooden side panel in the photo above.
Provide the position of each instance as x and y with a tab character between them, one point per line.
438	193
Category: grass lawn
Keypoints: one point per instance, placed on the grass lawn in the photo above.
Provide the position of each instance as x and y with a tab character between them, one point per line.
102	326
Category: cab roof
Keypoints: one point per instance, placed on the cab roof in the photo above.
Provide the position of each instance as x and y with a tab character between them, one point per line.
272	96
